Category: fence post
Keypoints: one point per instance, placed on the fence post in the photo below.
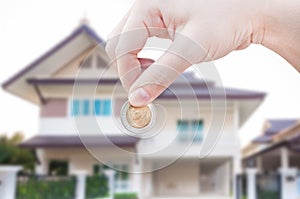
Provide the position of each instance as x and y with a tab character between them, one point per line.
8	181
80	184
251	183
288	183
110	174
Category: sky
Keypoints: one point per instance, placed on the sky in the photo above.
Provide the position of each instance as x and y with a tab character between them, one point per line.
30	28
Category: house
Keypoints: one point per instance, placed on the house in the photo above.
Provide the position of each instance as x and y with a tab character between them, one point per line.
276	152
80	98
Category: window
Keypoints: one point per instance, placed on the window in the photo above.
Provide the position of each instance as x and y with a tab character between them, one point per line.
58	167
121	177
119	172
97	107
96	169
197	129
100	62
190	130
87	62
86	107
182	128
93	61
124	174
106	107
99	169
75	107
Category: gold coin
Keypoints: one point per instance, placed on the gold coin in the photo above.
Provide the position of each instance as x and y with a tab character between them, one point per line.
138	117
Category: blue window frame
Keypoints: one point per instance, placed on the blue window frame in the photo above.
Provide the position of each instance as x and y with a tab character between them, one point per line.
86	107
75	107
97	107
197	128
182	128
182	125
106	107
189	130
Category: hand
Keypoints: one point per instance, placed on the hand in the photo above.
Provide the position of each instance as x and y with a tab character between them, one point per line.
201	31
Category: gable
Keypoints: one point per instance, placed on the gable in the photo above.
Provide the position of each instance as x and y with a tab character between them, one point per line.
82	39
92	63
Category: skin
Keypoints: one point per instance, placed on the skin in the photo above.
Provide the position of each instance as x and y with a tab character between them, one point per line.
200	31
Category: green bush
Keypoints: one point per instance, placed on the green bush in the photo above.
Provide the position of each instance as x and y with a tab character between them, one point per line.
125	196
268	195
12	154
96	186
34	188
244	197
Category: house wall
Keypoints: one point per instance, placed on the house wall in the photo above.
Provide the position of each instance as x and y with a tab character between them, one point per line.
188	178
56	119
180	178
224	142
54	108
82	158
227	145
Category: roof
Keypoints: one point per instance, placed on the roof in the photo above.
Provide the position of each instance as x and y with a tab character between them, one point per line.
275	126
25	84
185	86
42	141
292	144
82	28
180	88
279	133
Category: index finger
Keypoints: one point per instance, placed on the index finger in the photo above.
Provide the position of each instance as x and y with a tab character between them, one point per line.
131	41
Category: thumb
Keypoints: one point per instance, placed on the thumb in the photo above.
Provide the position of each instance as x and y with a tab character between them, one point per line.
158	76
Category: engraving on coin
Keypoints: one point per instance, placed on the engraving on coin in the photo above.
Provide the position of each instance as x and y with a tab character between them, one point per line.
138	117
138	121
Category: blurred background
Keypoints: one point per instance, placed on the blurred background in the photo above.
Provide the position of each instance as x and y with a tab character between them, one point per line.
29	28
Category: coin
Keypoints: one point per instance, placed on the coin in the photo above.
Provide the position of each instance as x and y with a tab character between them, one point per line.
138	117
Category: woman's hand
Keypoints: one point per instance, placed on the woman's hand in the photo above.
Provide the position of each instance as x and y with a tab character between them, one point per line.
201	30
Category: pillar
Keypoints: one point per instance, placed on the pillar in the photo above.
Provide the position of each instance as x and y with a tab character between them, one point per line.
251	183
81	184
288	183
236	165
137	175
284	157
259	164
41	168
110	174
8	181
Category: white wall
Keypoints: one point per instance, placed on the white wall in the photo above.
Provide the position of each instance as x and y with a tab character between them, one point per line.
78	125
180	178
167	141
82	159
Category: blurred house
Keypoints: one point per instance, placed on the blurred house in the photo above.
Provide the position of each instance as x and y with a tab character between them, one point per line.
79	129
277	147
276	152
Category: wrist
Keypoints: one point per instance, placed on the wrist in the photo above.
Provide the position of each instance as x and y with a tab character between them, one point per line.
258	21
279	28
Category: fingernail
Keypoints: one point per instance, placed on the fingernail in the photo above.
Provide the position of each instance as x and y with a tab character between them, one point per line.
139	97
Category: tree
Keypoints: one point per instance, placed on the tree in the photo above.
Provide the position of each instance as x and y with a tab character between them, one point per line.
12	154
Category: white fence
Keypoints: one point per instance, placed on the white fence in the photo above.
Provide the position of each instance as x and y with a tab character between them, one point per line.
8	179
8	182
